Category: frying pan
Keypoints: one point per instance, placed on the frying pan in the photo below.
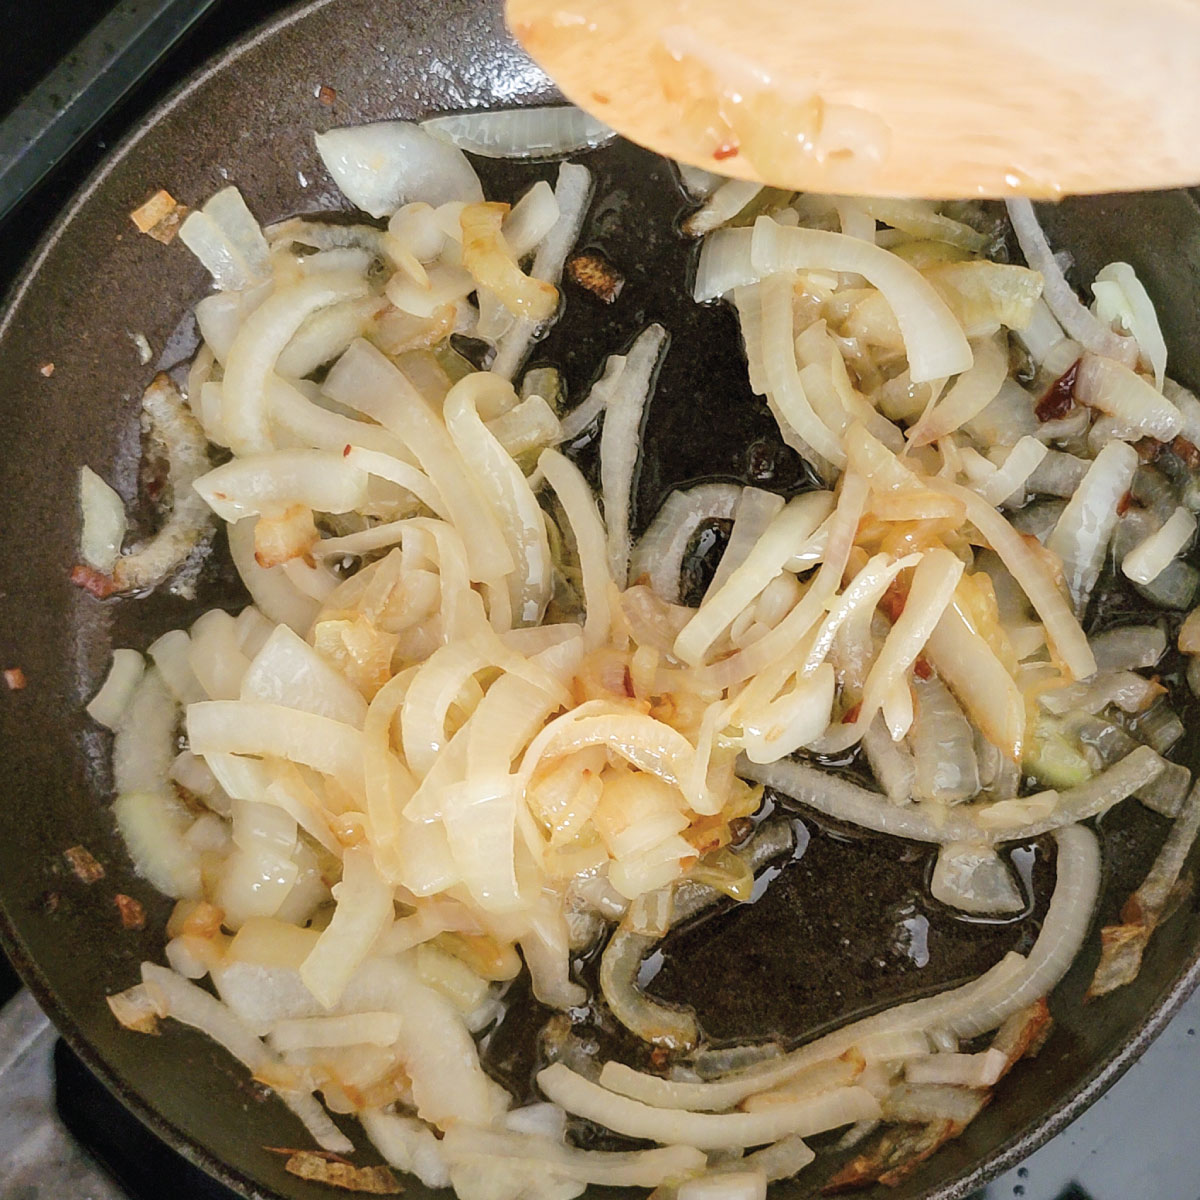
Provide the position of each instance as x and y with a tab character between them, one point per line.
837	930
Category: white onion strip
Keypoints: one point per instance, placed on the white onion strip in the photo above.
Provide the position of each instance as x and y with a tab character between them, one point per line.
1150	557
934	340
620	441
1058	293
706	1131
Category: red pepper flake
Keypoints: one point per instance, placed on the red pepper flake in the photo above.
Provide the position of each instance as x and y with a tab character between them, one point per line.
1187	451
46	370
1060	396
726	150
852	714
15	679
84	864
921	669
600	98
100	585
133	915
346	450
659	1057
326	95
627	682
1124	503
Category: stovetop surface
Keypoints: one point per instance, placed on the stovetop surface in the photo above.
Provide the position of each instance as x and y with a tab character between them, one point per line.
1137	1143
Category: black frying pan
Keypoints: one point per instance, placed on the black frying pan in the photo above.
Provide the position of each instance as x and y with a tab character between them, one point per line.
779	966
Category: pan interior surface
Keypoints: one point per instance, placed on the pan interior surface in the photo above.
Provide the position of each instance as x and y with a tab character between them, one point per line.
249	120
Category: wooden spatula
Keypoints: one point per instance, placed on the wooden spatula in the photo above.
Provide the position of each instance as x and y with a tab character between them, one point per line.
938	98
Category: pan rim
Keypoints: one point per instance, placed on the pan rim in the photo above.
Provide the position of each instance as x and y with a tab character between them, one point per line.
1089	1087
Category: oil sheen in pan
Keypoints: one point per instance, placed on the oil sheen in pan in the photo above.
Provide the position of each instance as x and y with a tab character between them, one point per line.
848	925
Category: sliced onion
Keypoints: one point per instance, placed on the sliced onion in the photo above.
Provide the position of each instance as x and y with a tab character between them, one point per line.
755	511
496	1150
1150	557
973	879
580	506
509	494
254	484
522	132
380	167
1058	293
288	671
742	1183
725	264
723	204
1081	537
648	1019
190	1005
624	415
257	728
930	592
109	704
707	1131
572	192
972	392
784	389
584	414
1132	647
104	522
152	826
407	1144
1034	577
658	555
943	745
983	686
1124	944
1113	388
366	378
1137	312
766	560
270	588
1043	335
935	343
364	909
531	219
891	762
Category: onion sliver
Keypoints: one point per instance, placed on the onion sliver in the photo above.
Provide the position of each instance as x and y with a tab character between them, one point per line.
706	1131
1058	293
257	728
1138	407
522	132
846	801
658	555
260	341
1081	537
104	522
382	166
933	338
190	1005
1035	579
108	705
253	484
580	506
620	441
1150	557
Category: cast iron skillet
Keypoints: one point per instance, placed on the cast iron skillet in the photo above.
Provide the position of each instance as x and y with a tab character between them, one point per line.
840	930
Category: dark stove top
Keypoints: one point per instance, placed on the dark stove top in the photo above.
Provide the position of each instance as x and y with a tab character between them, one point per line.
1137	1143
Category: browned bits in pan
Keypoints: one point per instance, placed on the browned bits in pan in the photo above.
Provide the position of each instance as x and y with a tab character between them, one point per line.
84	864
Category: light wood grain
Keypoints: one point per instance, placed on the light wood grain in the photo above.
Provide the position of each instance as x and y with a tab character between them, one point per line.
890	97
